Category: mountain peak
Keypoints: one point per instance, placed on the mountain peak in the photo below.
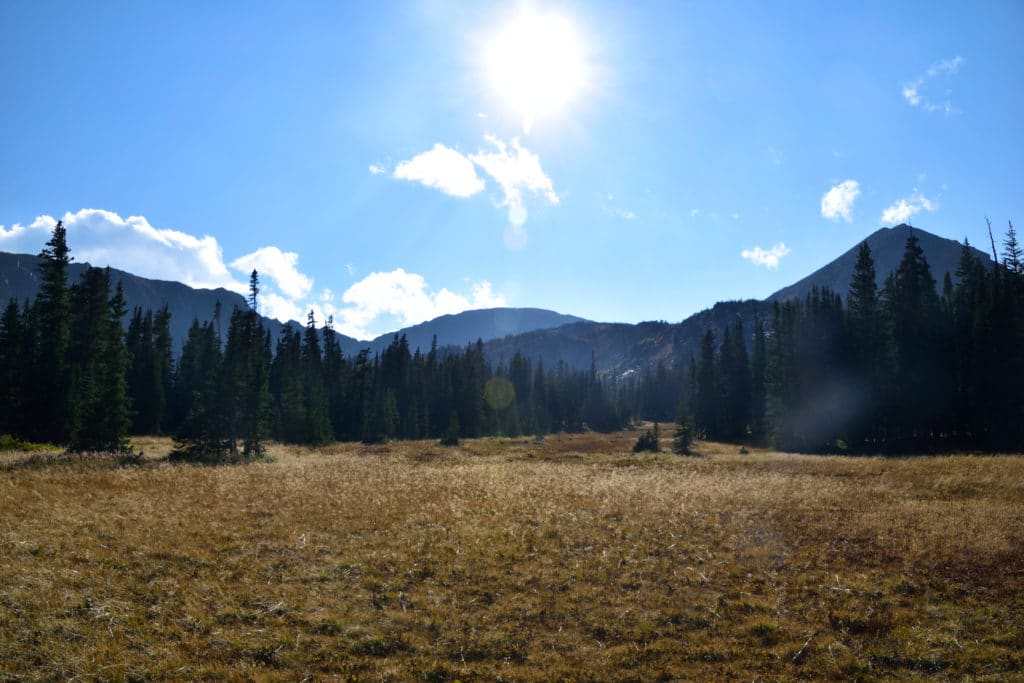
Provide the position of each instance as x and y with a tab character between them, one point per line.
887	246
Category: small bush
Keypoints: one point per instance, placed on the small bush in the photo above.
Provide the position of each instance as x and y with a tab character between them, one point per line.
683	438
648	441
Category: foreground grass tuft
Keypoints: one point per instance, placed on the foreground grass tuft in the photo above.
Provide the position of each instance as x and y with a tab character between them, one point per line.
514	559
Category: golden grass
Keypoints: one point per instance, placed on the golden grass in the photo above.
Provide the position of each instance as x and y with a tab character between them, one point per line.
570	559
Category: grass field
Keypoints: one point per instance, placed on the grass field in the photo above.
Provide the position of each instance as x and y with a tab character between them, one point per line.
570	559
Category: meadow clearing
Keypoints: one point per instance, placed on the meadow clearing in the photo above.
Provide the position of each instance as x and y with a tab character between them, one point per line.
501	559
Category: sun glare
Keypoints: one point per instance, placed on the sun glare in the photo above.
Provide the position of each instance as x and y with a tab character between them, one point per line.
536	65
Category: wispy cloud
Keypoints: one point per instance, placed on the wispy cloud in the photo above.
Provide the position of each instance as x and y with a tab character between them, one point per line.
515	169
838	202
902	209
913	91
769	258
444	169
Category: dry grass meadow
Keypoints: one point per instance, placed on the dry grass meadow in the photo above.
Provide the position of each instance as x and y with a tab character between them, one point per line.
570	559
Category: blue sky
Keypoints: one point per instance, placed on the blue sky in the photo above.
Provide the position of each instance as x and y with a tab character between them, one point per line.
380	161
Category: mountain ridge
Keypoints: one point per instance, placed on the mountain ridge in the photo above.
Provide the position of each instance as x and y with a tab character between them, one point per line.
19	280
617	348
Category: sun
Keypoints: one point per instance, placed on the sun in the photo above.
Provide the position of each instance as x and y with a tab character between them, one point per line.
536	65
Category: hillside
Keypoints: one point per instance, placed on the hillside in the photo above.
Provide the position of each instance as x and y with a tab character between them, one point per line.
19	280
620	348
887	249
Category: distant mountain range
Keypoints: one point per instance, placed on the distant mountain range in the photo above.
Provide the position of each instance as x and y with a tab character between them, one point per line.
614	347
19	280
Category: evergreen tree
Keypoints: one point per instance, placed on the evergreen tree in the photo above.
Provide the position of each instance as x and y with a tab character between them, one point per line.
1013	256
11	368
198	399
758	387
49	408
245	382
707	408
318	425
97	361
289	405
868	342
334	371
912	305
734	373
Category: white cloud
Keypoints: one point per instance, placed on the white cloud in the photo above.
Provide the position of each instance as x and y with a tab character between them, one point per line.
103	238
280	267
626	215
443	169
910	95
406	297
901	210
377	169
273	305
515	169
350	269
838	202
769	258
912	92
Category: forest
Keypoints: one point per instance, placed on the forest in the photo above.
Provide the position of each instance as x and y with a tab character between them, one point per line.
905	368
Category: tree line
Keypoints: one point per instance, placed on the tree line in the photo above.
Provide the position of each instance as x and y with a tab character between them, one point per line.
902	368
73	374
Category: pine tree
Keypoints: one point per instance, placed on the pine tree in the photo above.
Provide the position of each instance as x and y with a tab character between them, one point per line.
683	437
1013	256
758	387
198	397
289	407
334	372
318	426
11	364
913	308
247	373
708	403
97	361
49	408
867	340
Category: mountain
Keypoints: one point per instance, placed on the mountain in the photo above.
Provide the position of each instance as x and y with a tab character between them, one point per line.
486	323
19	280
887	249
617	348
621	349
